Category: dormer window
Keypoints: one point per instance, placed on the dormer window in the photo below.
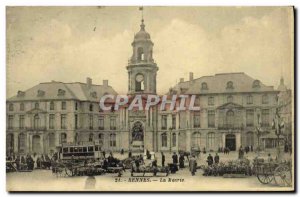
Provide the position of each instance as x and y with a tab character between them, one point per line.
256	84
204	86
20	94
229	85
61	92
40	93
94	94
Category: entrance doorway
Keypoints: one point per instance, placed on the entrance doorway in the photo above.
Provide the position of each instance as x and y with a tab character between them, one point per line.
230	142
36	144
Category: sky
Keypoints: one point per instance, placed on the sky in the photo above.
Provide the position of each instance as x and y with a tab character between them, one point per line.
68	44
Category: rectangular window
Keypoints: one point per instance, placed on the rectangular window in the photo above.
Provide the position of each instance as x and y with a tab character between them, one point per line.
113	141
52	105
249	117
76	121
164	122
76	106
249	99
265	118
164	140
196	119
101	123
113	123
63	105
174	140
21	122
211	100
265	99
91	121
211	118
10	121
63	121
51	121
173	121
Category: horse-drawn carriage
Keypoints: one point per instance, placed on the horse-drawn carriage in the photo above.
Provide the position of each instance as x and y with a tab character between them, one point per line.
279	172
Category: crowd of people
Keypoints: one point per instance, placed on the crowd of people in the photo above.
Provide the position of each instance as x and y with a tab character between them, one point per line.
30	162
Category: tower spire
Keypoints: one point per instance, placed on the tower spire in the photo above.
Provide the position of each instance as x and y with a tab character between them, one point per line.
142	24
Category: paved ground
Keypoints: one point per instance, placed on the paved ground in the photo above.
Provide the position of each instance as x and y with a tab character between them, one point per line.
182	180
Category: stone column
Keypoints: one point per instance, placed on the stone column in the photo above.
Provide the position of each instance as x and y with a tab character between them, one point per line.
16	142
238	140
188	140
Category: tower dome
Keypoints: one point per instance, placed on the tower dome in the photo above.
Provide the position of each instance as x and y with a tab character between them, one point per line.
142	34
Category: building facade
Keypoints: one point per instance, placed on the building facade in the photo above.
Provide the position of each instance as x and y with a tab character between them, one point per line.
233	106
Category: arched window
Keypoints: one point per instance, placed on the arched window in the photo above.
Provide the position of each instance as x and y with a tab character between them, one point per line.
22	108
91	137
229	99
174	140
211	141
229	85
63	138
11	107
265	99
51	105
140	53
113	141
101	139
36	105
164	140
21	143
10	143
230	119
204	86
196	137
36	122
51	140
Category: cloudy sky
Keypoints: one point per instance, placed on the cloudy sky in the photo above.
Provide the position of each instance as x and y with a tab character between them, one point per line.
71	43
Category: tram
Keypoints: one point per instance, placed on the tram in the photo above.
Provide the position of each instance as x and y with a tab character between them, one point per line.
81	151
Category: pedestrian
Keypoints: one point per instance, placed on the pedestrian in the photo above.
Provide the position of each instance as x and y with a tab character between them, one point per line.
193	165
270	159
181	161
163	158
204	150
175	158
122	151
217	158
175	161
129	154
18	160
241	153
148	155
104	153
210	160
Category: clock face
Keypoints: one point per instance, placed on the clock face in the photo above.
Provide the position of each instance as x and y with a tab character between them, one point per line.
139	78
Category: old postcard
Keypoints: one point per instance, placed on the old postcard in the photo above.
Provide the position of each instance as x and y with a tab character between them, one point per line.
150	98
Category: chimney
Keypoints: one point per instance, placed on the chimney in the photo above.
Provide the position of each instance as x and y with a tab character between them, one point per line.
191	76
89	82
181	80
105	83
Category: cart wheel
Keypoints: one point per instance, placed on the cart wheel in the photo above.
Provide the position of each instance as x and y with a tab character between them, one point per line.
283	176
264	178
69	172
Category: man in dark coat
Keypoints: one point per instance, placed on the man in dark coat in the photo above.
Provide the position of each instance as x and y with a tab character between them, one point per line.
210	160
129	154
163	159
175	158
193	165
217	158
181	161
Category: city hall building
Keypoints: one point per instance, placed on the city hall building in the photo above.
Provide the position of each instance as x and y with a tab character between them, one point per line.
234	107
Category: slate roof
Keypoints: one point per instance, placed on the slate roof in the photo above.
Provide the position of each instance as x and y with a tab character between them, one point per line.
218	83
76	90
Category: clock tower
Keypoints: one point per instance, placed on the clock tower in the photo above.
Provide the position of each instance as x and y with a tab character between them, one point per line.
141	67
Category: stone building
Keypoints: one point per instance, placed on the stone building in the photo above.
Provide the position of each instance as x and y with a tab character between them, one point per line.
232	106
